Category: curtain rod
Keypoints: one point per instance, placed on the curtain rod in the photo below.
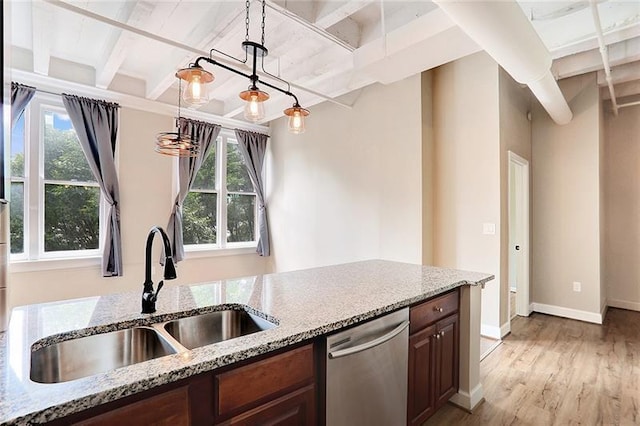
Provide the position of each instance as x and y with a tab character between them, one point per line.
223	127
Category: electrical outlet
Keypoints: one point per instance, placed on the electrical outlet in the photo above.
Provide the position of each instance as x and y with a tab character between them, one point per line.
577	286
489	228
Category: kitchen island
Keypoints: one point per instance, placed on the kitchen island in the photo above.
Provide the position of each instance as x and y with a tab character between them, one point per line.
304	304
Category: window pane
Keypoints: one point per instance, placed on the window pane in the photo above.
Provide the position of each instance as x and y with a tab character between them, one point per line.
71	217
16	217
237	176
63	156
206	177
241	218
17	148
199	218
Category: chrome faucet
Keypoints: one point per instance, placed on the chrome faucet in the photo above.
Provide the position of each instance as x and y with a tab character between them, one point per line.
149	296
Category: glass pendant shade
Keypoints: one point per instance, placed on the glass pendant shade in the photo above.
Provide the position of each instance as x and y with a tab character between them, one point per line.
195	92
254	107
296	116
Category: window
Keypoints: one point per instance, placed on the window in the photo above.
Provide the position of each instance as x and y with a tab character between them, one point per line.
55	200
220	210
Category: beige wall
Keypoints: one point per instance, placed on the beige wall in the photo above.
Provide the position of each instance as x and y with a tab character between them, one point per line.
146	200
350	187
428	172
467	172
622	210
515	136
566	197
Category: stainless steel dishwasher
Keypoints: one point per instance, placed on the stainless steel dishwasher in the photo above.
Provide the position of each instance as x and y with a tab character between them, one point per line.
367	373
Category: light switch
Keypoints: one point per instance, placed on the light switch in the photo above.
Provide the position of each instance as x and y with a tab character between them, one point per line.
489	228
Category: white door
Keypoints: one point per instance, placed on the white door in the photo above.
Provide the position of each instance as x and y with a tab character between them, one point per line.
519	231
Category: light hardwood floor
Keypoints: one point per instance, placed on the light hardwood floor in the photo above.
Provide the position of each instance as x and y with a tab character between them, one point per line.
555	371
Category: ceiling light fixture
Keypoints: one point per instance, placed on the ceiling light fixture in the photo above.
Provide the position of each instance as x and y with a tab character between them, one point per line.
176	144
197	77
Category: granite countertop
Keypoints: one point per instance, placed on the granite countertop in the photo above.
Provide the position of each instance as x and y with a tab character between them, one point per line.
304	304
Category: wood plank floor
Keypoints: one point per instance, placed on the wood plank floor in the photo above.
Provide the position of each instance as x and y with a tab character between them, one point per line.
555	371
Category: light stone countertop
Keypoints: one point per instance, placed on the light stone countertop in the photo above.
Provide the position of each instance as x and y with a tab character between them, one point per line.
304	304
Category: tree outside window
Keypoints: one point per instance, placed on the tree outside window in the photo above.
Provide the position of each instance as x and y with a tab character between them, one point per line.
221	198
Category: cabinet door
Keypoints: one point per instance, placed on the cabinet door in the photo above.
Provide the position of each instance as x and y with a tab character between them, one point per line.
446	359
169	408
421	375
293	409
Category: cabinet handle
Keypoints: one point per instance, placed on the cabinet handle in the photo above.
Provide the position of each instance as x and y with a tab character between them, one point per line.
438	309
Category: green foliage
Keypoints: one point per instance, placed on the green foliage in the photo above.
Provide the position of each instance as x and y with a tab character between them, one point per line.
199	218
17	165
63	156
237	175
71	217
240	217
206	177
16	217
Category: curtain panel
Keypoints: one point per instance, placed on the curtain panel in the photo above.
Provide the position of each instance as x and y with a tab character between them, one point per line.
96	124
21	95
205	135
253	147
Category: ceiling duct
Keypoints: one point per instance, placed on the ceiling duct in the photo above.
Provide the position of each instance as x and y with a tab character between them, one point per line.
502	29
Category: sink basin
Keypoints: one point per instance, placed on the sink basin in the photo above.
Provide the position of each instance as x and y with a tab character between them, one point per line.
205	329
86	356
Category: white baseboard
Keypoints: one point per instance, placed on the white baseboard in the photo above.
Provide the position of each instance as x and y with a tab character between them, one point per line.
490	331
469	401
624	304
513	289
561	311
505	329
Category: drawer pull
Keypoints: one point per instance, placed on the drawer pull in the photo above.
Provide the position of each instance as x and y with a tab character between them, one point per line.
438	309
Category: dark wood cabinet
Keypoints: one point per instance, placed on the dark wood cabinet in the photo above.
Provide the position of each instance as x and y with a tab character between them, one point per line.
276	389
293	409
433	356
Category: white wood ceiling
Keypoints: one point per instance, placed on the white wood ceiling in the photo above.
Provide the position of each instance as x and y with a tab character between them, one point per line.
326	49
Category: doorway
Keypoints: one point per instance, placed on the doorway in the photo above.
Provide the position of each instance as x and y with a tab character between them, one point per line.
518	236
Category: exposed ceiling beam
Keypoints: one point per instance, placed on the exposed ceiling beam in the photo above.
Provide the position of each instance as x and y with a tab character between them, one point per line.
41	26
621	74
589	61
329	13
611	36
107	70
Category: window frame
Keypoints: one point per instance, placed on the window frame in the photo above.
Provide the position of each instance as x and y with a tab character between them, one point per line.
221	244
34	189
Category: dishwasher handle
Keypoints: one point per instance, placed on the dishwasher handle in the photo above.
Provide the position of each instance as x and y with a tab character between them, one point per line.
370	344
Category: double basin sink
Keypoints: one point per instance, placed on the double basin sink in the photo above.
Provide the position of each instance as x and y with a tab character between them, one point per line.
99	353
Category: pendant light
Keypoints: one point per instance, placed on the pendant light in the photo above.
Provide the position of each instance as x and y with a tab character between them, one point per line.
176	144
197	78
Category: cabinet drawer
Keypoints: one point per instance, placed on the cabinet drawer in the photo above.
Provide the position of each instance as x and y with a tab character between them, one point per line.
431	311
246	387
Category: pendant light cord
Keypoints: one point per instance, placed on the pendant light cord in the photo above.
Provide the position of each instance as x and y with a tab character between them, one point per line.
263	19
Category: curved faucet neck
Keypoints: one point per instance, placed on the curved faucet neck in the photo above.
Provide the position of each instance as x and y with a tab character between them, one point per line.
167	251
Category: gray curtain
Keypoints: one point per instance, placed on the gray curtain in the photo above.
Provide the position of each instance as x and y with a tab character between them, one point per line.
253	147
21	95
204	134
96	124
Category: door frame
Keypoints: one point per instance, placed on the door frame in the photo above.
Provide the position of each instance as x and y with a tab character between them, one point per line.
523	304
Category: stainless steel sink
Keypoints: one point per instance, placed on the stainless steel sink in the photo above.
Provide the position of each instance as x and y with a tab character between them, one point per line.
205	329
86	356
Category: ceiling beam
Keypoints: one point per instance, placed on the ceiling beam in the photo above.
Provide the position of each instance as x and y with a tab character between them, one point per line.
629	31
41	25
164	77
329	13
107	70
621	74
589	61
